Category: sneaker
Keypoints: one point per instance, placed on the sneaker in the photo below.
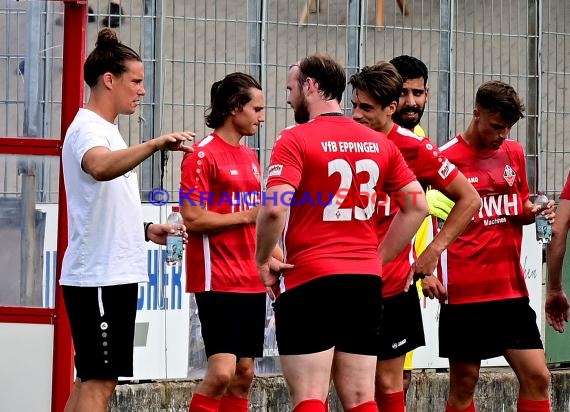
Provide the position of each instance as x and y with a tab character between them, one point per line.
114	19
91	15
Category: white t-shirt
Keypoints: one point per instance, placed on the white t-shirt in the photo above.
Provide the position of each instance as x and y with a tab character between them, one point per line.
105	224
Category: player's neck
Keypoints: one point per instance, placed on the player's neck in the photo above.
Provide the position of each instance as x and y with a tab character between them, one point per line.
100	106
229	135
472	138
387	128
323	107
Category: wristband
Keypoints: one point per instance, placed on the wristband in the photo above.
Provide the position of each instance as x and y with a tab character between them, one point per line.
146	226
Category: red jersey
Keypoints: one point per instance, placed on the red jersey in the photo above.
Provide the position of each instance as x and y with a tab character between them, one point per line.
566	190
225	179
430	168
483	264
339	169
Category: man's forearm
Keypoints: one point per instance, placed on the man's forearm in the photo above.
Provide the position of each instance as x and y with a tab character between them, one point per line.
556	251
270	225
460	216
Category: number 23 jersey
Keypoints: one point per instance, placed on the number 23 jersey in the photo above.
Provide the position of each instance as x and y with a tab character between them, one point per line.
483	264
339	170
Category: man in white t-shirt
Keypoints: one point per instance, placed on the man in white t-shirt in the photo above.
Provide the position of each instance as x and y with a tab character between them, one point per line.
104	260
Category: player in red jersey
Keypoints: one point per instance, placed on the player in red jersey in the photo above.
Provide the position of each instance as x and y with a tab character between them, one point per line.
556	304
220	188
324	181
376	90
487	313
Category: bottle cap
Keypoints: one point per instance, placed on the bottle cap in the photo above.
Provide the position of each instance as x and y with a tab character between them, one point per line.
176	208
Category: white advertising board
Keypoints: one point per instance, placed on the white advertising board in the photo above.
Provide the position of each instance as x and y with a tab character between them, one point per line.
168	330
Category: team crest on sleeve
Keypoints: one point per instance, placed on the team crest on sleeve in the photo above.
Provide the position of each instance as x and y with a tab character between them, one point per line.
255	170
509	175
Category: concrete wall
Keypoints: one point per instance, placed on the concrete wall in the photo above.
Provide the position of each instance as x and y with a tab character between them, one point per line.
496	392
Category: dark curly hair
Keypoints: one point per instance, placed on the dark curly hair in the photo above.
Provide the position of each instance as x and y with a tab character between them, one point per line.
410	67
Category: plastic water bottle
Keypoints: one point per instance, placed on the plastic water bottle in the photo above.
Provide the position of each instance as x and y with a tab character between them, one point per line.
175	241
543	226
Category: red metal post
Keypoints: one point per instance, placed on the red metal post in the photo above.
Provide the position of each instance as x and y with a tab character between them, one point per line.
75	25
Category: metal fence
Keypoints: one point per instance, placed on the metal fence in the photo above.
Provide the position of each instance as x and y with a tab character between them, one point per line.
188	44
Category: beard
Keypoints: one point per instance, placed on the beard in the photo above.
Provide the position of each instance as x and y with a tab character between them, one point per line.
301	113
407	123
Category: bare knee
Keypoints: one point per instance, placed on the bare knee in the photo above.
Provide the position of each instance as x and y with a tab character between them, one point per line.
407	378
216	382
462	386
242	380
389	376
99	387
94	395
535	384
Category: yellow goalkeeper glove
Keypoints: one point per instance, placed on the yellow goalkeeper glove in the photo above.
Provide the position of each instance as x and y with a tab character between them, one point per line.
439	204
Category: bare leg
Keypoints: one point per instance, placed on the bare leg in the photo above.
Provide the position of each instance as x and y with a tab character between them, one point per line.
407	379
307	376
90	396
240	383
353	377
533	375
463	377
72	400
221	369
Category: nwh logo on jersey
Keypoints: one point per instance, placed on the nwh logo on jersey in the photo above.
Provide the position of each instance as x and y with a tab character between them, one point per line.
242	201
494	208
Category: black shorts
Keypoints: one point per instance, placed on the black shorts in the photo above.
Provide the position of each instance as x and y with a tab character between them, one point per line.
341	311
232	322
102	323
476	331
402	325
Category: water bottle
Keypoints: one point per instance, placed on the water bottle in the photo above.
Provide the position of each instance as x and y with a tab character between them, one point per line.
543	226
175	241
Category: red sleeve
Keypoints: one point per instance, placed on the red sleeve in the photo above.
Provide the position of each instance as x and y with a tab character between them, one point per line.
398	174
432	167
197	173
566	190
286	164
524	189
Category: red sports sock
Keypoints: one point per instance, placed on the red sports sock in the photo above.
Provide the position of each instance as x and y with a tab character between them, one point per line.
310	405
233	404
527	405
203	403
391	402
470	408
369	406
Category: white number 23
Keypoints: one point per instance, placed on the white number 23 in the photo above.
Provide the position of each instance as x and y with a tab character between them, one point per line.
333	211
